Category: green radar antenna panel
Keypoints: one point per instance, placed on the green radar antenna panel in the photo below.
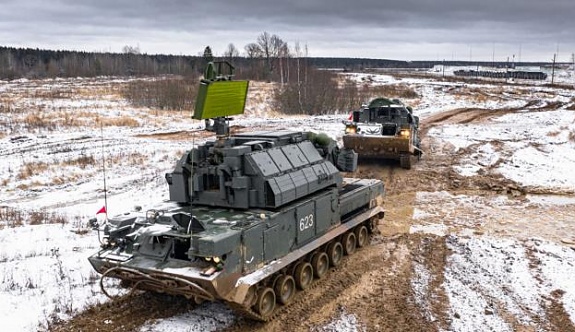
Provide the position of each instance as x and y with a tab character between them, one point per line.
219	97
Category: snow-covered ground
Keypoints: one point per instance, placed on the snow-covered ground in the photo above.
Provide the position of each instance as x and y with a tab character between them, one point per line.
52	183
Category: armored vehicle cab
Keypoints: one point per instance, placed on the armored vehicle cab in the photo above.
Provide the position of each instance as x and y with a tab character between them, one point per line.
385	128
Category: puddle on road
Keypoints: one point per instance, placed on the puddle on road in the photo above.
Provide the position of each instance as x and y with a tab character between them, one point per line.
550	217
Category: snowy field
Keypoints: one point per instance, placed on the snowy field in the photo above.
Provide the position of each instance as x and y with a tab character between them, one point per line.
51	177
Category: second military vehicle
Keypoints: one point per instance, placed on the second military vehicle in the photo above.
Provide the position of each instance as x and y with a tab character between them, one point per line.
254	218
384	128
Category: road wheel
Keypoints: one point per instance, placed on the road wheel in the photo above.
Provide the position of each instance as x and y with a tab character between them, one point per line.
362	236
303	275
266	302
335	253
349	243
285	289
320	264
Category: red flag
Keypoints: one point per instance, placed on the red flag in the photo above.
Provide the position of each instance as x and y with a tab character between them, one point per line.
102	210
350	116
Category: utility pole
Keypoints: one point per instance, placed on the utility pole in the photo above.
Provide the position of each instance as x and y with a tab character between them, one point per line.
493	56
573	64
553	69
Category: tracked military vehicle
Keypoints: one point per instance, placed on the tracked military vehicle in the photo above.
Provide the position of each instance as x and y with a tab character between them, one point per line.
385	128
253	218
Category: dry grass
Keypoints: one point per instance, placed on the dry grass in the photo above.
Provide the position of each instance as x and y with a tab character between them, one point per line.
34	168
402	91
41	105
14	217
474	94
81	161
39	121
132	159
6	105
167	93
136	159
123	121
71	119
33	184
54	93
47	121
22	186
80	90
31	168
11	217
60	180
44	217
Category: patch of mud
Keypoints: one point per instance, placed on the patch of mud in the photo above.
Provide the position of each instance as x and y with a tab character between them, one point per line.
188	135
182	135
558	318
126	314
524	217
206	317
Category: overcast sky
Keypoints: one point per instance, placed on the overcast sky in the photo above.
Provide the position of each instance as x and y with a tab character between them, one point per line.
530	30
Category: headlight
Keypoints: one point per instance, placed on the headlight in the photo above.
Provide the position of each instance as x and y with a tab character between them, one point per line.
404	132
350	129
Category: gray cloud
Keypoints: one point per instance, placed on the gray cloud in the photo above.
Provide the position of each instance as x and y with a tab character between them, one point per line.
400	29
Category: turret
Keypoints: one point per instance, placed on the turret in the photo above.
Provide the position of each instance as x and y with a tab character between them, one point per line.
262	169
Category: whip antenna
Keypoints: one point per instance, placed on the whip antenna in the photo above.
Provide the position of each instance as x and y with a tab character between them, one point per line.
104	168
192	183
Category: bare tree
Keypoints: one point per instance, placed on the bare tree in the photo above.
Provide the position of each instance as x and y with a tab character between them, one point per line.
298	55
270	46
231	52
283	57
127	49
253	50
253	53
264	43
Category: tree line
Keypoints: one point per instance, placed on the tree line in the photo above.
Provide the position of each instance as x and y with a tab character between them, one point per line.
268	58
303	86
36	63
